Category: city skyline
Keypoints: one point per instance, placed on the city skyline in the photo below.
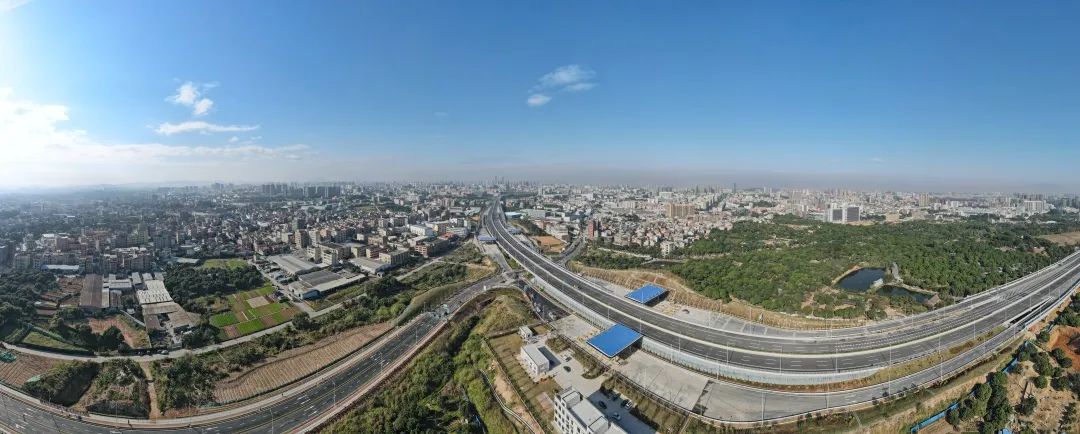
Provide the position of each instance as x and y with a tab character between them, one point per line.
910	97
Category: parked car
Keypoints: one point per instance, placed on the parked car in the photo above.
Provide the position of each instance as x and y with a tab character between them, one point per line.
617	416
567	368
601	404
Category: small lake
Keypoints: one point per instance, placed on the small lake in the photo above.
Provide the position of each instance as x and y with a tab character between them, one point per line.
861	280
897	291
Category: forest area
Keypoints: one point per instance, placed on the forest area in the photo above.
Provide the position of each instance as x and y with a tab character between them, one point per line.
775	265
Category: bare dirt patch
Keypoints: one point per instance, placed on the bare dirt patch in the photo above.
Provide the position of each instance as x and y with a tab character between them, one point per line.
549	244
148	372
1051	403
1067	238
133	336
510	397
257	302
294	364
1067	338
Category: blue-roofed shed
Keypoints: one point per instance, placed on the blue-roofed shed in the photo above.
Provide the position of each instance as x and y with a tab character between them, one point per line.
614	340
646	294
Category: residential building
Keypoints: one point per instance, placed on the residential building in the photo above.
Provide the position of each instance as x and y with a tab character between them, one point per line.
576	415
534	360
679	210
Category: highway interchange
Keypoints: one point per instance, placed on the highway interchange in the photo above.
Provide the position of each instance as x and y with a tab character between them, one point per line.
792	353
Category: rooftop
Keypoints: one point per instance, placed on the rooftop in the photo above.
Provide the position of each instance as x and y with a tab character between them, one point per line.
646	294
614	340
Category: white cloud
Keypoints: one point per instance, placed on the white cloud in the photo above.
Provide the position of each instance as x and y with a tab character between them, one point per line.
188	95
537	100
169	128
567	78
579	87
234	139
7	5
566	75
877	160
202	107
39	150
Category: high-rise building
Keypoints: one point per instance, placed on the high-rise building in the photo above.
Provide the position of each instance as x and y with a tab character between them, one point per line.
679	210
1035	206
852	214
302	239
843	213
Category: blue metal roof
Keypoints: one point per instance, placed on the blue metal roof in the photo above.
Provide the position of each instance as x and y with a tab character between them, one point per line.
614	340
646	294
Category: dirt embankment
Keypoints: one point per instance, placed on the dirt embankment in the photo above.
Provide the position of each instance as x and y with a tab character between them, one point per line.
1068	339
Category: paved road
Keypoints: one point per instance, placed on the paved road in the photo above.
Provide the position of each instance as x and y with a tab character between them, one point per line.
293	411
22	417
798	354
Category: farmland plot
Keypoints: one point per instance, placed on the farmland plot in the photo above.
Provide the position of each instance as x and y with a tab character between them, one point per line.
294	364
25	367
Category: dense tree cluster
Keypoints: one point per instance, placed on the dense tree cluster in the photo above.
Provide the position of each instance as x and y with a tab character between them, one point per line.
605	259
185	382
420	402
112	339
19	290
653	251
775	264
1070	316
186	282
990	401
119	389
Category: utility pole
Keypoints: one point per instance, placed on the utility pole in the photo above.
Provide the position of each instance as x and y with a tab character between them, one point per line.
762	406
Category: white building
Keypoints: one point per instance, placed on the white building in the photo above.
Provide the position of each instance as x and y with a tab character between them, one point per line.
534	361
155	292
421	230
576	415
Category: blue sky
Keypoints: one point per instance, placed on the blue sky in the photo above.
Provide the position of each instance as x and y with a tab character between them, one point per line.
951	95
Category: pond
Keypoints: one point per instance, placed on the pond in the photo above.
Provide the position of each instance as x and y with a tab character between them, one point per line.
861	280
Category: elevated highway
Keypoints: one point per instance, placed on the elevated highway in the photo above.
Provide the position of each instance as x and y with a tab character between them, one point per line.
863	349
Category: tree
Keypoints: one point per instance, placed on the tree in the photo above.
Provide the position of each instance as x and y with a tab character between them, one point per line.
953	417
1027	405
302	321
111	339
85	335
1043	336
1041	381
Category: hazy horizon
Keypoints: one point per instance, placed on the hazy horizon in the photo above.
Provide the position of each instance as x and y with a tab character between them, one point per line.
919	97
